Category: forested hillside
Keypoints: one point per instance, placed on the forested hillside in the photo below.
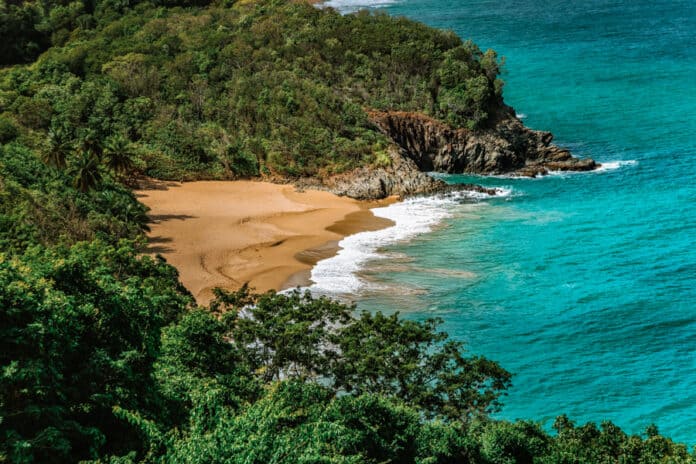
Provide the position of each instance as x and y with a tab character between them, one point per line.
104	356
272	88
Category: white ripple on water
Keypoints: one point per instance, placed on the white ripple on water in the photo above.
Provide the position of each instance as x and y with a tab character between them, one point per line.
612	165
412	217
605	166
350	6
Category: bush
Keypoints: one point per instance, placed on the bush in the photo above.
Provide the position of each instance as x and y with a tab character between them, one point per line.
8	131
244	163
34	113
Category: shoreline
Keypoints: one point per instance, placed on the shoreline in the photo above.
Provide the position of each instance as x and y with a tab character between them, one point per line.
227	233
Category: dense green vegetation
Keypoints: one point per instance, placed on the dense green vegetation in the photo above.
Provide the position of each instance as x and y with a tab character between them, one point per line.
272	88
105	357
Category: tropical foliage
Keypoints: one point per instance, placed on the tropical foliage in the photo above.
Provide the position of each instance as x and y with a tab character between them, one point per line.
273	87
104	356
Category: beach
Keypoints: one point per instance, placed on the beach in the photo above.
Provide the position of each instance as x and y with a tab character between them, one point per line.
228	233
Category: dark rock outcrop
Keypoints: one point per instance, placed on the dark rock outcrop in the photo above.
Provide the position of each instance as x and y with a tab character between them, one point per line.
507	148
423	144
401	178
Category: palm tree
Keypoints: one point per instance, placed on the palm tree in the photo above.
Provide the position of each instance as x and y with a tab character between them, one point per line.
87	171
119	154
59	148
89	141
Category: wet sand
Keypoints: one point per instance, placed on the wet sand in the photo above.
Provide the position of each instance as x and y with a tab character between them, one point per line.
226	234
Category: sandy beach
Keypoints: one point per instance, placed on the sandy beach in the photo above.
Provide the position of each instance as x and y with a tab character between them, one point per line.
225	234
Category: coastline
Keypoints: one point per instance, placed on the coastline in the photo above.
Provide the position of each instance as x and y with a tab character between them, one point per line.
228	233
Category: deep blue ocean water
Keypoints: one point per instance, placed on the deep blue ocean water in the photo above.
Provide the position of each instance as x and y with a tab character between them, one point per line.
582	285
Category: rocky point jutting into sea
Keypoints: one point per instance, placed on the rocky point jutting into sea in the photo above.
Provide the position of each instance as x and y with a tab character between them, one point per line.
423	144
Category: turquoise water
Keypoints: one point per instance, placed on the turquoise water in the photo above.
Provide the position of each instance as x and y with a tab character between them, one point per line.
584	286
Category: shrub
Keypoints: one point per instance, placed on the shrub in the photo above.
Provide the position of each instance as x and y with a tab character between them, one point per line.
8	131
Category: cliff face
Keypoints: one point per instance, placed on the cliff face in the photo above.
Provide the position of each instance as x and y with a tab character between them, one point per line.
402	177
507	148
423	144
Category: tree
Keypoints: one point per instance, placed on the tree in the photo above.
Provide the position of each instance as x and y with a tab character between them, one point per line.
134	74
198	360
87	172
20	41
283	335
79	333
317	339
8	131
90	141
412	361
119	154
589	443
297	422
59	148
467	103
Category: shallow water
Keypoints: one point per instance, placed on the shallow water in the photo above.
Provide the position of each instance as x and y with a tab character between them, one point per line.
582	285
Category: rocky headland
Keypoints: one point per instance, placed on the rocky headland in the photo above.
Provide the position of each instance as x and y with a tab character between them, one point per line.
423	144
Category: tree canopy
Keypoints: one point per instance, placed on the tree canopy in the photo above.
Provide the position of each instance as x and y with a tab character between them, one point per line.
104	355
256	88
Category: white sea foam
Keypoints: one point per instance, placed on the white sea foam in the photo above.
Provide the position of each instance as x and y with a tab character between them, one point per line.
611	165
350	6
520	115
500	192
605	166
412	217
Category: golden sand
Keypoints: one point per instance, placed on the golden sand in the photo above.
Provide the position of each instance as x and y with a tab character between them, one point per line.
225	234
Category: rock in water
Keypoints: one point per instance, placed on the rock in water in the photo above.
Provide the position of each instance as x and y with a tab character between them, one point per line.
508	147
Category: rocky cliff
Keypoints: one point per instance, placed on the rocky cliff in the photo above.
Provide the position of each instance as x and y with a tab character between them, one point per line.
423	144
402	177
508	147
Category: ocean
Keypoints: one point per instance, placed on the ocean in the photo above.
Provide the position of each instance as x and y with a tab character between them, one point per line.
582	285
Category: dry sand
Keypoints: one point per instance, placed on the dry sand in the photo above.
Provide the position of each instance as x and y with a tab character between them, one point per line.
225	234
